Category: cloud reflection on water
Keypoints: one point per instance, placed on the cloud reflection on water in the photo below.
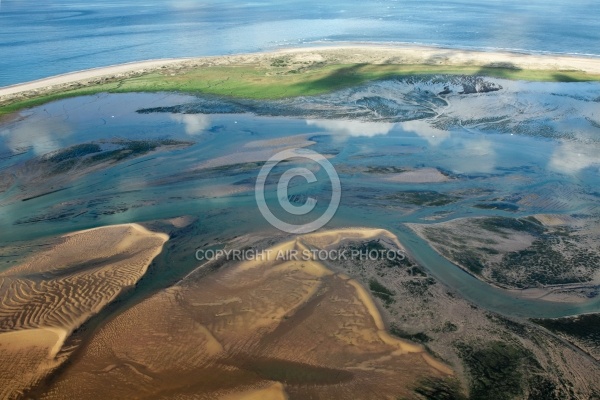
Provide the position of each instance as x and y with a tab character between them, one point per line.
42	135
433	135
353	128
572	157
194	123
477	155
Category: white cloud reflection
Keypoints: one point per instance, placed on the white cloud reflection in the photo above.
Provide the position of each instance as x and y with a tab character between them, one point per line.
572	157
194	123
353	128
433	135
41	135
477	155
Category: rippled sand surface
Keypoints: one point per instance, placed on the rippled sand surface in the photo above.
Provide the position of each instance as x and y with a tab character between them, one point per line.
56	291
256	329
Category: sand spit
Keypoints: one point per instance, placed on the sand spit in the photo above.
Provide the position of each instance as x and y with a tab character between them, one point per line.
120	70
54	292
339	54
268	328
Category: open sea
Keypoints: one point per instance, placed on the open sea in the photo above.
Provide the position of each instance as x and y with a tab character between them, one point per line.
44	38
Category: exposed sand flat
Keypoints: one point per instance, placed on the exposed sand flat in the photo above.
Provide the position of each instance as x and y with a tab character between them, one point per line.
406	54
334	237
54	292
554	219
181	222
273	392
51	338
26	356
346	53
273	328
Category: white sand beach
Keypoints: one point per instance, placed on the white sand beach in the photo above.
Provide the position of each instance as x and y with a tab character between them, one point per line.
340	54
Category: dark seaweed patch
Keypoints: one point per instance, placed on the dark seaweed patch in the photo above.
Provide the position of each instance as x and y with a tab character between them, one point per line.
381	291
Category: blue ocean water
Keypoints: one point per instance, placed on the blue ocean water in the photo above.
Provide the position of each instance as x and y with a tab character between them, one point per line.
40	39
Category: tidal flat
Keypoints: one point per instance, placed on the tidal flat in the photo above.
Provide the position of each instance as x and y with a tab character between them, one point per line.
487	184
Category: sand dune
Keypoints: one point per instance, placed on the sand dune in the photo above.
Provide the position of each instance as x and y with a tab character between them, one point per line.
263	329
54	292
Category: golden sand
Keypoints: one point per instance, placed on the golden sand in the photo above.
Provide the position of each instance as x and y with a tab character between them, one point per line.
273	392
258	329
54	292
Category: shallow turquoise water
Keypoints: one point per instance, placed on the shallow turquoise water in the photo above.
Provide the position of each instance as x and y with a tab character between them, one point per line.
547	152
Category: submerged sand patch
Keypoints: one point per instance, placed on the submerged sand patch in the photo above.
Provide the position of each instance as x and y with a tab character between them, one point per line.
258	151
423	175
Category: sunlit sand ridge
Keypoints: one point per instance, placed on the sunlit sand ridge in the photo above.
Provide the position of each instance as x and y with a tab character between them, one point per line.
54	292
257	329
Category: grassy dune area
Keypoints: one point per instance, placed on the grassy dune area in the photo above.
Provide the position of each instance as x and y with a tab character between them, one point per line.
282	78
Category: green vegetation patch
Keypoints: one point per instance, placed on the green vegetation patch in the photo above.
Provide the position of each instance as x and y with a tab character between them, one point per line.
501	224
420	337
548	264
556	256
378	253
270	82
583	327
419	287
381	291
468	259
440	389
502	371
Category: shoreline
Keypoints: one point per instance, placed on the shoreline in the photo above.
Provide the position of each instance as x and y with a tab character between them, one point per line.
372	53
89	73
317	46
